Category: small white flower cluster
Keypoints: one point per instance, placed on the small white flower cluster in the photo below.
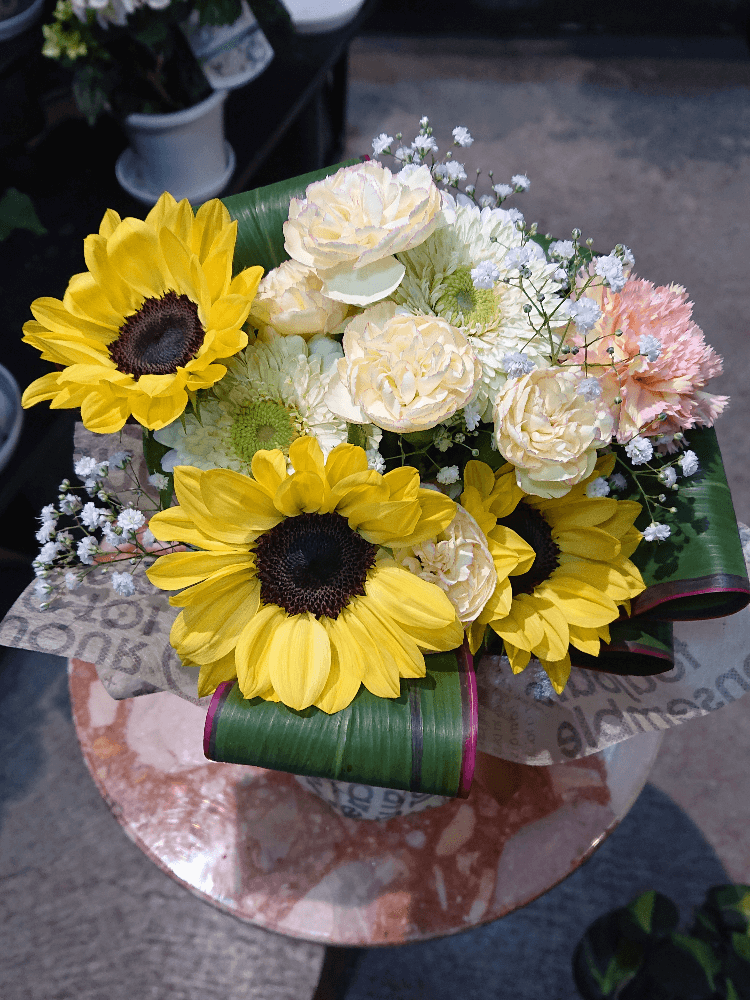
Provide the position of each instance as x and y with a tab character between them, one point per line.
103	533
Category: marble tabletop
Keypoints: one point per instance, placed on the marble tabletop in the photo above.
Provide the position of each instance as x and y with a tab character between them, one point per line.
258	845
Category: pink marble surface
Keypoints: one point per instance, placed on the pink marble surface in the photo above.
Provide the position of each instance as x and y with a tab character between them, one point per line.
256	844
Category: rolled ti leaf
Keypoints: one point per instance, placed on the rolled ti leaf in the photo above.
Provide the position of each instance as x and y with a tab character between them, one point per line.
423	741
701	572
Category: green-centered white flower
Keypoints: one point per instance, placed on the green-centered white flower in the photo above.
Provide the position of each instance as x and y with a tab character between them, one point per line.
272	394
438	282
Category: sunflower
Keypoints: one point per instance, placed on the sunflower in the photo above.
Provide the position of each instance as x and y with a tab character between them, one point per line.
146	324
290	590
563	566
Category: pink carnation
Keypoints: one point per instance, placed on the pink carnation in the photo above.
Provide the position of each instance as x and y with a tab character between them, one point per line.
674	383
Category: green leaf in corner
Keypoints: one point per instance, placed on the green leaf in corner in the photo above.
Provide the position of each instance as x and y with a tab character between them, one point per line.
603	960
649	917
17	212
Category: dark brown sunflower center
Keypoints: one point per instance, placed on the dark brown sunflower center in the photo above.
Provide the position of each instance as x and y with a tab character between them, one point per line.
312	562
162	336
534	529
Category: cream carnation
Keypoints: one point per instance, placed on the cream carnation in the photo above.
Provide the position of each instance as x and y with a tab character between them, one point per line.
549	431
439	281
403	373
290	301
349	226
458	561
673	383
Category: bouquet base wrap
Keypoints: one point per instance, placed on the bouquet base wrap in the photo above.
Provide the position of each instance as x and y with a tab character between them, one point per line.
423	742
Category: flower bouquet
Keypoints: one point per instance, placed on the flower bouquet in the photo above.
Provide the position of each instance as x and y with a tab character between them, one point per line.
427	434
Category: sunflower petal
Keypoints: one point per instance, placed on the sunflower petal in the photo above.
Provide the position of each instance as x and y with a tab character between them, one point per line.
347	668
103	412
558	672
302	493
299	660
237	503
182	569
251	652
269	469
213	674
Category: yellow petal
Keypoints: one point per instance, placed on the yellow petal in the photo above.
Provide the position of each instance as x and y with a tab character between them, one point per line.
135	254
306	455
251	652
480	477
344	460
46	387
475	634
85	299
110	221
123	298
213	674
302	493
213	627
175	524
347	667
246	282
103	412
52	315
269	469
155	413
580	603
222	580
585	639
381	676
517	657
182	569
299	660
210	219
237	504
408	599
589	543
558	672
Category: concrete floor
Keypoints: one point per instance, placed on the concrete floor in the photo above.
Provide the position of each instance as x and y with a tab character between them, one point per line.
650	151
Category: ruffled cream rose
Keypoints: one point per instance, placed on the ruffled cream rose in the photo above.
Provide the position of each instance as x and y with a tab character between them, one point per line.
549	431
458	561
349	226
403	373
290	301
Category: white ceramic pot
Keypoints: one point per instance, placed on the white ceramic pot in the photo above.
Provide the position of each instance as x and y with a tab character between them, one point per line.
183	152
356	801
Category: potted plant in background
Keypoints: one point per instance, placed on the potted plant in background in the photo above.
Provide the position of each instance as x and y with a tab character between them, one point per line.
163	68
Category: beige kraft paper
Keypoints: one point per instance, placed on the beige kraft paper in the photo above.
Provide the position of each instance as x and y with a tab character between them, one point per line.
520	717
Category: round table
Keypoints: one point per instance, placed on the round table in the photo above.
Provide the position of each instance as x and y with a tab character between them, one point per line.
256	844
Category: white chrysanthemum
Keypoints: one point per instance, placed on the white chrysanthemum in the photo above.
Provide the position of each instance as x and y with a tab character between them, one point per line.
458	561
403	373
438	281
549	431
272	393
349	226
290	301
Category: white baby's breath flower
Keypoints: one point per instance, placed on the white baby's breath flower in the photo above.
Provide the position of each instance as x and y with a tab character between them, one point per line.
520	182
485	274
650	346
656	532
70	504
403	373
462	136
424	144
46	532
639	450
689	463
520	256
472	416
611	271
48	515
486	201
548	431
458	561
584	312
130	520
502	190
590	388
290	301
381	143
71	580
668	476
598	487
403	154
123	584
119	459
375	460
562	249
86	549
447	475
626	255
159	481
48	553
92	516
617	481
85	467
515	364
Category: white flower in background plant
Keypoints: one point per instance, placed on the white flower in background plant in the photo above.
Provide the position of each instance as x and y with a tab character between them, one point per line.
439	282
485	274
375	460
349	226
48	553
290	302
462	136
639	450
86	549
272	393
689	463
651	347
46	532
94	517
424	144
611	271
548	431
668	476
70	504
402	373
625	254
502	190
472	416
449	173
486	201
159	481
123	584
516	364
85	467
71	580
458	561
522	255
119	459
599	487
520	182
656	532
617	481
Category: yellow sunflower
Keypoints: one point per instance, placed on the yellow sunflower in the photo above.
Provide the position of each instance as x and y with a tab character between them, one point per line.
146	324
563	566
291	591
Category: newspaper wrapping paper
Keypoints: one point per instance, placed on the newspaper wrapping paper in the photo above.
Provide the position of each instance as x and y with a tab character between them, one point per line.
520	717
